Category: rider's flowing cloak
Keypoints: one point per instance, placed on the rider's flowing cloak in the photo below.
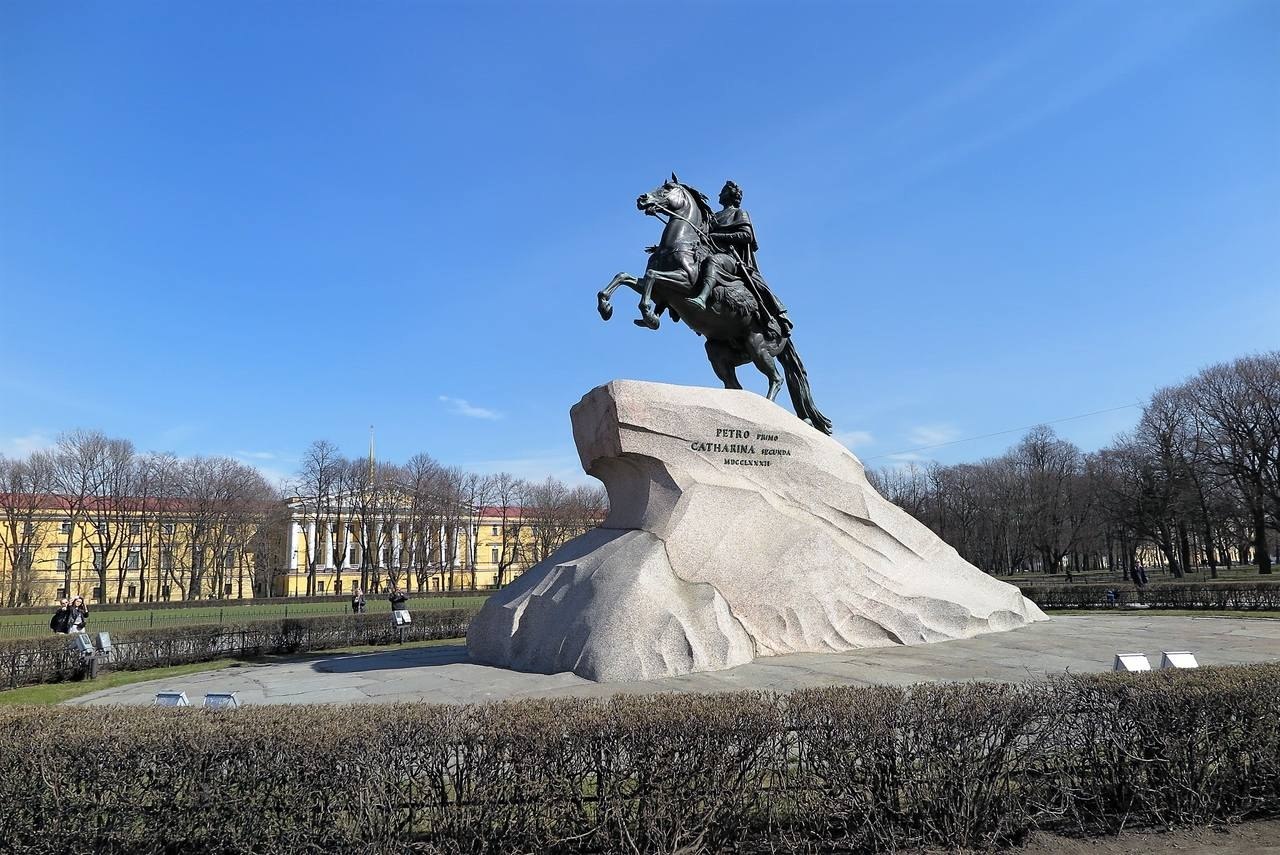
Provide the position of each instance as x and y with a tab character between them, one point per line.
733	227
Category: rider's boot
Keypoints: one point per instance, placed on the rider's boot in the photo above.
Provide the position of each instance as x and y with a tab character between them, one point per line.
700	299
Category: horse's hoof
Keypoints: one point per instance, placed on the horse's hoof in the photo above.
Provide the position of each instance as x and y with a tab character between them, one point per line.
651	323
606	311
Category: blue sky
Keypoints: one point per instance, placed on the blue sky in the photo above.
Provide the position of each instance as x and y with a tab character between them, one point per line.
235	228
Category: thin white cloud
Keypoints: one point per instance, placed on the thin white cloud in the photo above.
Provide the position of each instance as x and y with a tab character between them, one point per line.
906	462
852	439
463	407
935	434
278	478
535	466
256	455
21	447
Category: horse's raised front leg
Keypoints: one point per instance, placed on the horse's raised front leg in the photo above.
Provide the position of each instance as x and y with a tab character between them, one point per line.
648	318
603	306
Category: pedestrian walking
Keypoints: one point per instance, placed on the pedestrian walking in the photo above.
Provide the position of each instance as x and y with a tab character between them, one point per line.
357	602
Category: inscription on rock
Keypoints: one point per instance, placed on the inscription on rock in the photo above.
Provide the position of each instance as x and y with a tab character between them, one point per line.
752	453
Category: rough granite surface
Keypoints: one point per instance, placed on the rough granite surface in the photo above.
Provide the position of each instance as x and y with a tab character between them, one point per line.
735	531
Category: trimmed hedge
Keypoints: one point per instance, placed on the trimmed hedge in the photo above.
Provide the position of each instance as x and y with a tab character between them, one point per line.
50	660
247	602
843	769
1214	596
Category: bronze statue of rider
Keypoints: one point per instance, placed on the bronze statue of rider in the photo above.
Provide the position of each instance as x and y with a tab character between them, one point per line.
732	233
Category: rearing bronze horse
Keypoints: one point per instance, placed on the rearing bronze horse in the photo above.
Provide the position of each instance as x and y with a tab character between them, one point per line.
736	328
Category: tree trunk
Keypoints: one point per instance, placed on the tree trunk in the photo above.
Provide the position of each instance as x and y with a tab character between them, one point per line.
1184	546
1166	547
1261	556
1210	554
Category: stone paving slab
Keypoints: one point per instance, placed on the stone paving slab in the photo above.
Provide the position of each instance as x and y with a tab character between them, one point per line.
1080	644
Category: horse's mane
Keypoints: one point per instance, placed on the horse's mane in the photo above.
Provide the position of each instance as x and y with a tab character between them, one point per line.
699	199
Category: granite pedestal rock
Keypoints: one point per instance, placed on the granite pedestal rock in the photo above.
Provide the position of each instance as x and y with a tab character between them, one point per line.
734	531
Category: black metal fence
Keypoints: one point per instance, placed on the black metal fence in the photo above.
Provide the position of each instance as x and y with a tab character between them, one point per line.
46	660
1221	596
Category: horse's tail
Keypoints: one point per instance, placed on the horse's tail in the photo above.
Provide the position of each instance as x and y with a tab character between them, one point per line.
798	386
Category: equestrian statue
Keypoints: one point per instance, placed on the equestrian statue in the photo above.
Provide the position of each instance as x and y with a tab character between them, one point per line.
704	272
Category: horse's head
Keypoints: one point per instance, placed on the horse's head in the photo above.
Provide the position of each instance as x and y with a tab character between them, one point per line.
671	195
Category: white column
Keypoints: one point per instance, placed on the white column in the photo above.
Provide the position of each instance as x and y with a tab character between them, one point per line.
324	543
346	540
443	560
294	530
312	544
395	544
376	561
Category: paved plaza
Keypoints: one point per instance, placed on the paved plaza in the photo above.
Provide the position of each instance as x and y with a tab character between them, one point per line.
1079	644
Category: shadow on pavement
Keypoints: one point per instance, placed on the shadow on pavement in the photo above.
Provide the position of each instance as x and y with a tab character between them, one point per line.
416	657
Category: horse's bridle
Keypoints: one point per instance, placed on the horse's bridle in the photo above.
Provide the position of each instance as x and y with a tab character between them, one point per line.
706	237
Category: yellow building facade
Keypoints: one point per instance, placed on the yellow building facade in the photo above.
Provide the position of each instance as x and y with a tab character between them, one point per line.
170	553
147	553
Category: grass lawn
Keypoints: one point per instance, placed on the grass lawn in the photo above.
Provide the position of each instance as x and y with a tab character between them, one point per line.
48	694
34	626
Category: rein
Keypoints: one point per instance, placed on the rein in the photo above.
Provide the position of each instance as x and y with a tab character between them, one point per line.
706	237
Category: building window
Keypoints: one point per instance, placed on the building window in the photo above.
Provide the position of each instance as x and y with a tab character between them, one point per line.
99	559
133	560
319	587
61	561
166	560
229	560
226	589
165	592
493	530
65	527
28	529
493	555
355	554
97	594
133	592
62	592
135	528
167	528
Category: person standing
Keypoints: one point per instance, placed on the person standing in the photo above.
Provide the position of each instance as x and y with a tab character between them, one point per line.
399	610
357	601
79	612
61	620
